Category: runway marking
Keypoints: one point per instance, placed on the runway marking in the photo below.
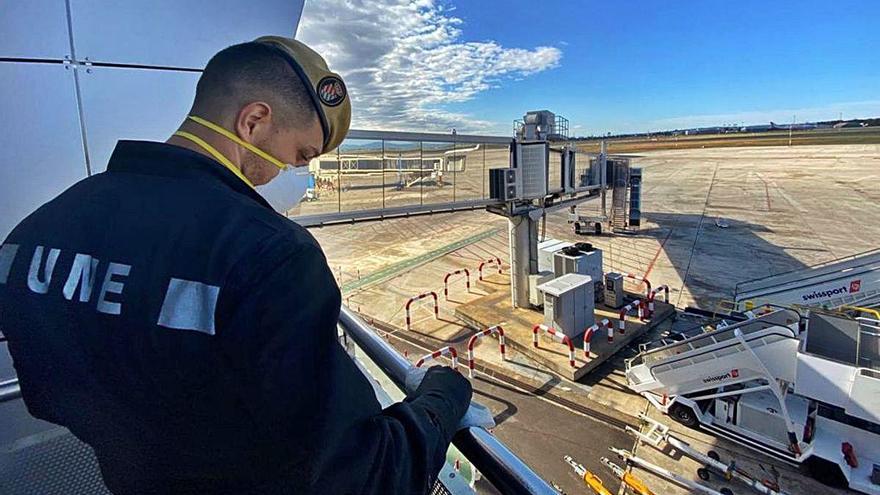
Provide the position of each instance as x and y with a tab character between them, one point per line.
657	254
697	235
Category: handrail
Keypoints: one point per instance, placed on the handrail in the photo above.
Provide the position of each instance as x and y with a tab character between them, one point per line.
9	390
716	333
492	458
674	358
806	269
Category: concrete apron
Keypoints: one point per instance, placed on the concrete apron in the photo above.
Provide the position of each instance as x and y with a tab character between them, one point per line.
495	309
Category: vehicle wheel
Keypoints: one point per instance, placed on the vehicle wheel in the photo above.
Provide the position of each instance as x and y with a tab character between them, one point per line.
684	415
577	228
703	473
726	491
713	455
826	472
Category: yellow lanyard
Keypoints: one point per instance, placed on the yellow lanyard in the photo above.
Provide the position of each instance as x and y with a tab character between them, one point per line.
232	137
225	132
216	154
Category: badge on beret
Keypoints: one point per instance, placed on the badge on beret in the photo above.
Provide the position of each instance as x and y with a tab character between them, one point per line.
331	91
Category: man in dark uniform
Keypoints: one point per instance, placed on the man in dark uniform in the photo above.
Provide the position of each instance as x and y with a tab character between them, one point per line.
171	319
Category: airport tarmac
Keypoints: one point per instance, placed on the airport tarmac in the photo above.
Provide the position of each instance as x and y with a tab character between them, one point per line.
711	218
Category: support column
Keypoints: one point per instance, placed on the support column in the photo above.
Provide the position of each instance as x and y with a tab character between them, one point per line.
523	242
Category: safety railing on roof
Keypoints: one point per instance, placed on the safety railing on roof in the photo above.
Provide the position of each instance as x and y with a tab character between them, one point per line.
493	459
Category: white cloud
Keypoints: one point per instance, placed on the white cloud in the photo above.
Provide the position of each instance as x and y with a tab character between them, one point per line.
404	61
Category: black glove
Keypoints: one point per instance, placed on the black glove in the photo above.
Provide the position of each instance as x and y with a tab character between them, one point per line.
449	394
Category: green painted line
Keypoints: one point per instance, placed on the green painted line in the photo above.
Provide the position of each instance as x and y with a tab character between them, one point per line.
396	268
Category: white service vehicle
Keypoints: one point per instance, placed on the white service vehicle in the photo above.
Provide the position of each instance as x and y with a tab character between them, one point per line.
853	280
804	390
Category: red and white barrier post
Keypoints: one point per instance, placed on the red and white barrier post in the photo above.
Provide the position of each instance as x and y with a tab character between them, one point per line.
467	278
641	279
473	340
495	260
621	319
588	335
558	336
418	297
653	294
443	351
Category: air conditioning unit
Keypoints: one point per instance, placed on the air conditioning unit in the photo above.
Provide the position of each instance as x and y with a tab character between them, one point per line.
505	184
532	159
546	250
573	260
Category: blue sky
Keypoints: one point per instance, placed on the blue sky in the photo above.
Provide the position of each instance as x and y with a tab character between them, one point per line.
606	66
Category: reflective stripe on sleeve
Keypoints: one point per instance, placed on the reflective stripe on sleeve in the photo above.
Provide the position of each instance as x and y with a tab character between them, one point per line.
189	305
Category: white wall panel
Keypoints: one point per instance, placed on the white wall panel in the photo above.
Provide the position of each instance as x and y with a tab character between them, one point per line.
174	33
33	29
40	138
141	104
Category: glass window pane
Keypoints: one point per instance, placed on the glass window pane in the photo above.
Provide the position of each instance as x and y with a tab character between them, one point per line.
438	161
360	174
322	195
468	166
404	175
554	171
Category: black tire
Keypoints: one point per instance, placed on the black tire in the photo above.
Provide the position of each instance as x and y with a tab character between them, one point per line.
684	415
703	473
713	455
726	491
577	228
826	472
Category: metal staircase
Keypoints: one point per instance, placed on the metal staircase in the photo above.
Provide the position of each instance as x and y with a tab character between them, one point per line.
619	200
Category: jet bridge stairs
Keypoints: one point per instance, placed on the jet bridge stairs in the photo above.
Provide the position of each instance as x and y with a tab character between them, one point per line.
801	388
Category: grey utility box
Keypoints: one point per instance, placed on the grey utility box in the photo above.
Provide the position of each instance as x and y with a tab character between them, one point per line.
613	290
536	299
568	304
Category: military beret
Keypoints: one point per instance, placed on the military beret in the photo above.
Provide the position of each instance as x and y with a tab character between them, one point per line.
326	88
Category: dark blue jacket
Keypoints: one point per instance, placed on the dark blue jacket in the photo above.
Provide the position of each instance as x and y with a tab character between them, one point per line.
167	316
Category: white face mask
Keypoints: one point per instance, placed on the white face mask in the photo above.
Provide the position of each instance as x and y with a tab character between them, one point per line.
283	193
287	189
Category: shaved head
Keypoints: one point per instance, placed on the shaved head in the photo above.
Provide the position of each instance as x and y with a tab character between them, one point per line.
247	73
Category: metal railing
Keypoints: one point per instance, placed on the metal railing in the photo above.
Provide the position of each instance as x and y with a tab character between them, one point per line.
493	459
501	467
